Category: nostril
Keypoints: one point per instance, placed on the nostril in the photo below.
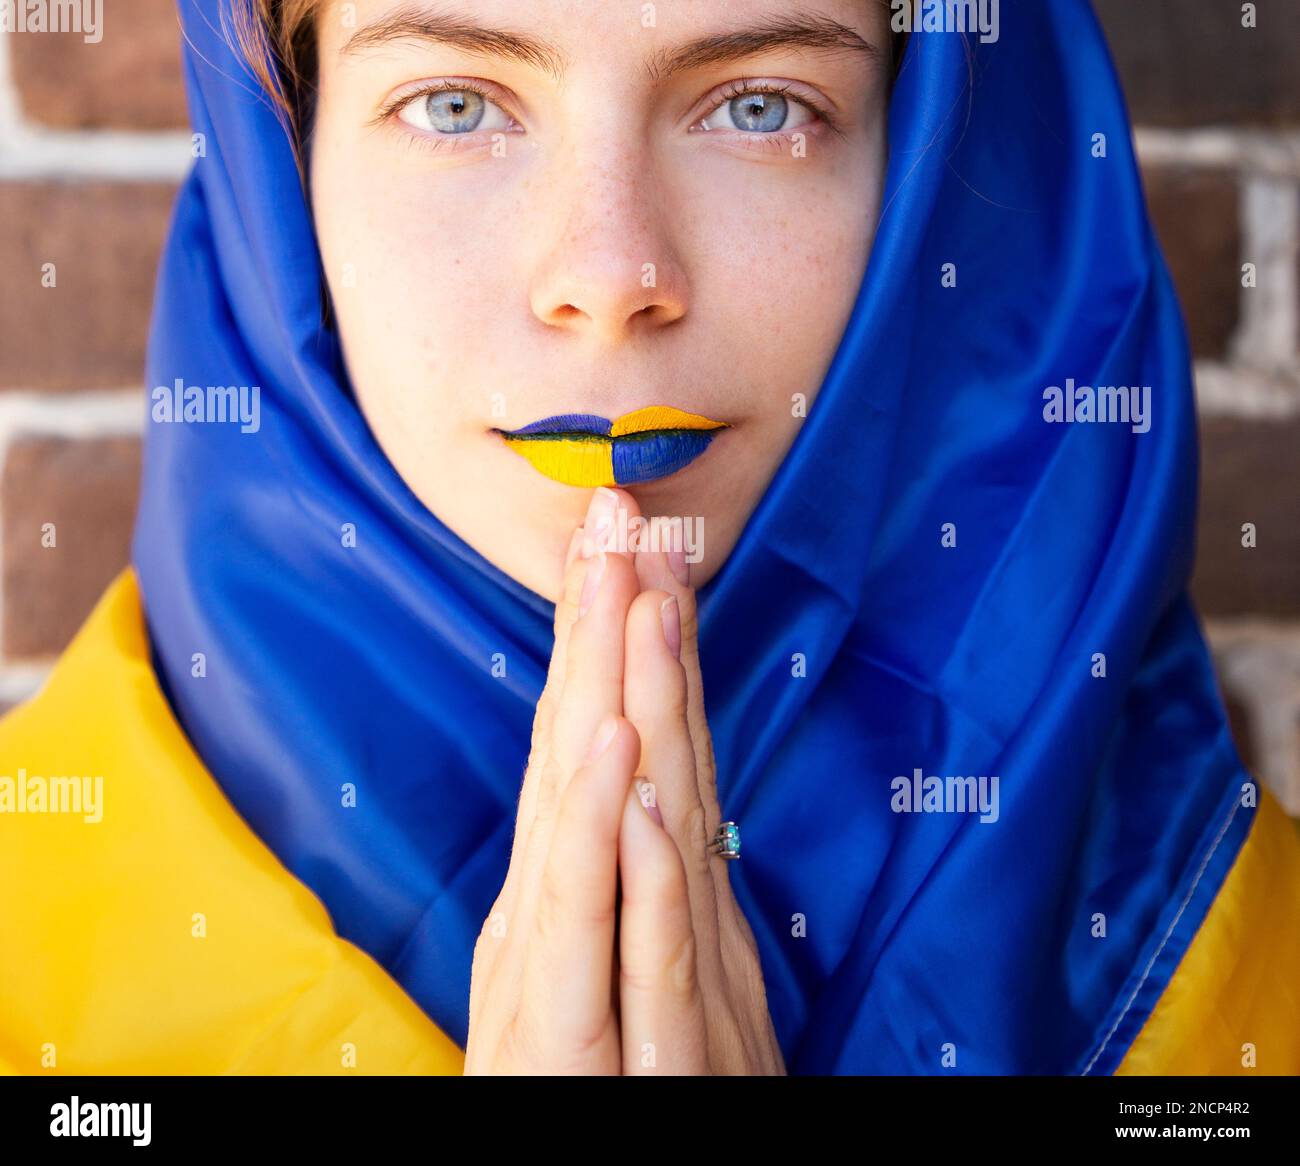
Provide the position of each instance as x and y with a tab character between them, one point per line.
657	313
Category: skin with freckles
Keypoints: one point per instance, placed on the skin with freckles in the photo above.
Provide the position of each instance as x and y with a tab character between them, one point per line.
533	210
611	212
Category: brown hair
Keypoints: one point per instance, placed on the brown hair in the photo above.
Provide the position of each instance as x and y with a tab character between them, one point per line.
277	39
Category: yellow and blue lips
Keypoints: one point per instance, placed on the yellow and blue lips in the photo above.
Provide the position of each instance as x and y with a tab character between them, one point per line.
581	449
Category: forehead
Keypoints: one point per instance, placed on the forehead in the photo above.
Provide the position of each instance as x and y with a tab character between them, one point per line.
667	36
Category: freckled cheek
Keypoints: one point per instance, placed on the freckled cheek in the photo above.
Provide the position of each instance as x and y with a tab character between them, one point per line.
794	279
427	259
780	300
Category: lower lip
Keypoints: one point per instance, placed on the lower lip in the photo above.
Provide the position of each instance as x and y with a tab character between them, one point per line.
589	460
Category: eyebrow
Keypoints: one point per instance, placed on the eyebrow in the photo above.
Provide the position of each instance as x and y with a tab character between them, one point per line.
813	33
816	33
461	33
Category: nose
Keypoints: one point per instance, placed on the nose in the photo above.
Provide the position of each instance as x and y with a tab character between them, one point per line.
611	270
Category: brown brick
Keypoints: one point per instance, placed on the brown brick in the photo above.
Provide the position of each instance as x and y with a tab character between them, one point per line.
1239	723
130	79
104	239
1196	214
88	489
1248	475
1190	62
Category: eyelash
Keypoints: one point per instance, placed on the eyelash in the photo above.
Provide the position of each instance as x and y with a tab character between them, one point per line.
732	90
743	85
446	84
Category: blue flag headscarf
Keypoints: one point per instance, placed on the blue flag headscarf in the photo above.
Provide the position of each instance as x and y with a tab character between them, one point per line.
938	578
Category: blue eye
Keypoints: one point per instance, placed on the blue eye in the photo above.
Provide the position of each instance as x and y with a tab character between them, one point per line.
454	111
759	111
763	113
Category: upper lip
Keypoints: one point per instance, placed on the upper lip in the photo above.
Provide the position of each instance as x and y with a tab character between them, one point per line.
633	421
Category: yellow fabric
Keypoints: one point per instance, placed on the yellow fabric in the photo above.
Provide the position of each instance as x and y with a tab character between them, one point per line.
1238	983
102	967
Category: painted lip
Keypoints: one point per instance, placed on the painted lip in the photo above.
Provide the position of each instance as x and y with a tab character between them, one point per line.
582	449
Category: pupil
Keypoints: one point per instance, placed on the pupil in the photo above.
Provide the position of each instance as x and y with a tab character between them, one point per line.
456	111
760	112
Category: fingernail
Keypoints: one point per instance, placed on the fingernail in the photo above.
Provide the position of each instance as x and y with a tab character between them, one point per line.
591	584
599	523
672	621
604	735
645	792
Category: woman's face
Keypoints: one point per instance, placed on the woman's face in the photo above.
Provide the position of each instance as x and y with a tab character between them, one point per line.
533	208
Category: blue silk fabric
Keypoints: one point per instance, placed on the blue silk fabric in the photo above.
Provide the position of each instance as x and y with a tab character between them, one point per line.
891	942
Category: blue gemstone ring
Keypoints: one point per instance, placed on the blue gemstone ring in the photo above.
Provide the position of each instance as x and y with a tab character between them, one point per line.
726	841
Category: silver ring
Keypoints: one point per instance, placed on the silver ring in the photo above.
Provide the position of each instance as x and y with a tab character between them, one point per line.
726	841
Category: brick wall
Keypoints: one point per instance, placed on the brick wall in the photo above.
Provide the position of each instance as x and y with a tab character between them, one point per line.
1217	111
93	142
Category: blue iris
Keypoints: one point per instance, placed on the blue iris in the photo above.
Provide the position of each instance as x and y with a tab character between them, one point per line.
763	112
455	111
